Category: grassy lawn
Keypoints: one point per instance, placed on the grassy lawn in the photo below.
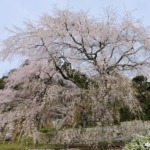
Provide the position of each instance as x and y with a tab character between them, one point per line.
15	146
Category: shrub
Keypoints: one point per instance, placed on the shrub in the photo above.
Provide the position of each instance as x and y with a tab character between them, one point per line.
126	114
139	79
27	140
2	83
142	88
47	130
139	143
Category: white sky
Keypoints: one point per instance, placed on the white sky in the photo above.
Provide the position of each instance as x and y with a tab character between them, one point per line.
14	12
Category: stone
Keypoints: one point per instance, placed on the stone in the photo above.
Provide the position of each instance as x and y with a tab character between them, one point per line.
8	136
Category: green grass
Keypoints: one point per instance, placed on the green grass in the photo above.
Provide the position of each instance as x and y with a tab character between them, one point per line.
47	130
17	146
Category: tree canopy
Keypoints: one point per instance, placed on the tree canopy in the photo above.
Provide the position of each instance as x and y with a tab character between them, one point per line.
90	45
64	51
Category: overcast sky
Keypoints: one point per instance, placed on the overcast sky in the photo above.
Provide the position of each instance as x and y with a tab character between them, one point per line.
14	12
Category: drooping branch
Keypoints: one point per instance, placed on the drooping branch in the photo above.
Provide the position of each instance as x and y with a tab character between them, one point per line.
104	45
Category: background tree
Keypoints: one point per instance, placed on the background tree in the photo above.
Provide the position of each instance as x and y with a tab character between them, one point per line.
142	89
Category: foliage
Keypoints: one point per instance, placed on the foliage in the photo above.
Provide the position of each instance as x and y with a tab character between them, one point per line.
2	83
27	140
78	78
126	114
103	145
47	130
19	146
139	79
138	143
142	88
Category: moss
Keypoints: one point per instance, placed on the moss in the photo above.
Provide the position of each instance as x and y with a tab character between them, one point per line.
47	130
90	126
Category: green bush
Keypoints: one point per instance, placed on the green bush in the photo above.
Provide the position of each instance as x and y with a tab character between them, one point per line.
126	114
17	87
139	143
142	88
139	79
2	83
79	79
